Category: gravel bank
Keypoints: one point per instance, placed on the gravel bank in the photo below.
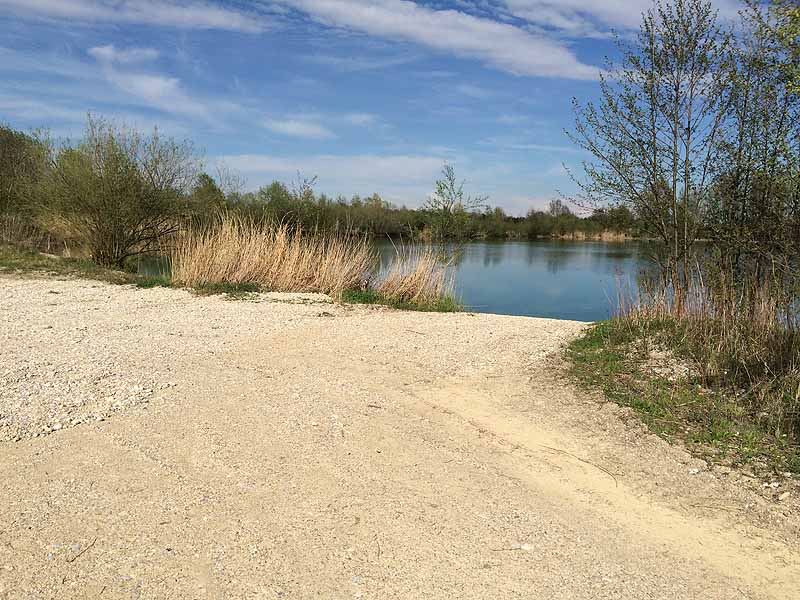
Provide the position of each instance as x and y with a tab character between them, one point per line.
288	447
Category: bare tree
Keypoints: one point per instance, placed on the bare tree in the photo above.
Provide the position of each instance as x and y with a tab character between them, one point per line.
653	135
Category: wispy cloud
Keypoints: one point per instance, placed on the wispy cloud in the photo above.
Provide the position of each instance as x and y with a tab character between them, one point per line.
360	119
361	63
500	45
154	90
511	143
111	54
595	19
163	93
183	14
473	91
14	61
299	128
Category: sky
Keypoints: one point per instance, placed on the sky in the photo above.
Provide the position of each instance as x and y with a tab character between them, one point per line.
368	96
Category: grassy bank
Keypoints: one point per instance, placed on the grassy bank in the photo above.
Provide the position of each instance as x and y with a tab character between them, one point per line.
14	259
726	385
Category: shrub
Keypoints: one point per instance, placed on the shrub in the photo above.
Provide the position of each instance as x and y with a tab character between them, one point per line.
22	165
741	338
121	193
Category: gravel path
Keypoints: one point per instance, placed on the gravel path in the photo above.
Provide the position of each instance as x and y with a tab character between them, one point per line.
155	444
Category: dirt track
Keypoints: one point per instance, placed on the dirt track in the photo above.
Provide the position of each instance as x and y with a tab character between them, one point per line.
295	450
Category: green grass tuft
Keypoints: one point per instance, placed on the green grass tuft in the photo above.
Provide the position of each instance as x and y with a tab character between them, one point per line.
713	422
445	304
232	291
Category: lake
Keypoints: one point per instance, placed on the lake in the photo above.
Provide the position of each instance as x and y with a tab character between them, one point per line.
556	279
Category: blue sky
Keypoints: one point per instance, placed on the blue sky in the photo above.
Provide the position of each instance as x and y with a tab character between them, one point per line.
369	96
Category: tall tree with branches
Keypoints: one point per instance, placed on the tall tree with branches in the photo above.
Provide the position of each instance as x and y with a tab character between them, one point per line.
653	135
448	206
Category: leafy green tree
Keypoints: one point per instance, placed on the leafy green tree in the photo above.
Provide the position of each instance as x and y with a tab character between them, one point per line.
121	192
206	196
448	207
754	214
23	162
785	18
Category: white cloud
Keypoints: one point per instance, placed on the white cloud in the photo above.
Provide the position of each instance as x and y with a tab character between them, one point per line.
500	45
111	54
360	63
596	18
27	110
183	14
299	128
360	119
512	143
14	61
473	91
154	90
163	93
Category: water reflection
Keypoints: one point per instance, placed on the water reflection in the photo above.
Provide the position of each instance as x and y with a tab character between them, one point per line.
559	279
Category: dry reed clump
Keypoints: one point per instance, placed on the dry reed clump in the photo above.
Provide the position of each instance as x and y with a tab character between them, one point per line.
417	276
273	256
742	337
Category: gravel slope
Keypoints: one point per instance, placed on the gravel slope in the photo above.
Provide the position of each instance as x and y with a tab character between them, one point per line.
156	444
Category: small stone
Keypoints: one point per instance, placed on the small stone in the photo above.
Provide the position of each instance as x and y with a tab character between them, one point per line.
57	426
694	471
784	496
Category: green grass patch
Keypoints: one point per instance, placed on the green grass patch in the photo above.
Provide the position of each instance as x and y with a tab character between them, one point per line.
232	291
446	304
24	261
713	421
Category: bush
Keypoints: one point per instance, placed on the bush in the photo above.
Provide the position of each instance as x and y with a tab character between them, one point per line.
121	193
418	277
22	165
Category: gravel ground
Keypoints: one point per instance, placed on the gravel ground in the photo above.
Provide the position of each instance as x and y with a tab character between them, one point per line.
157	444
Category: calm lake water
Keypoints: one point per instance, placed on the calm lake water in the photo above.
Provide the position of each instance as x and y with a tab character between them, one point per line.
557	279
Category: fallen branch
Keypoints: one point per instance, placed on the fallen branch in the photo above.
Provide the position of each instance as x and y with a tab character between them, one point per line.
79	554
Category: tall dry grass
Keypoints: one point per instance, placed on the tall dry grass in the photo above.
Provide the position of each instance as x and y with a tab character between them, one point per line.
740	336
235	251
418	275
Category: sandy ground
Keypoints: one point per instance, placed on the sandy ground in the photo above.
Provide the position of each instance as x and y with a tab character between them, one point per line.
158	445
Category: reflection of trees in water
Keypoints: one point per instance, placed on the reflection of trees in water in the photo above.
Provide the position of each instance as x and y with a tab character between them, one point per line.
558	259
493	254
554	255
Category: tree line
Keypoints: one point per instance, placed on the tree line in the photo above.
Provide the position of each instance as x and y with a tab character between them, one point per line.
120	193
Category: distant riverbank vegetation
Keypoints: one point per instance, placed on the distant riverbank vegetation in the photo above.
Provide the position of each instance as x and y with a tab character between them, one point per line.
697	132
147	186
